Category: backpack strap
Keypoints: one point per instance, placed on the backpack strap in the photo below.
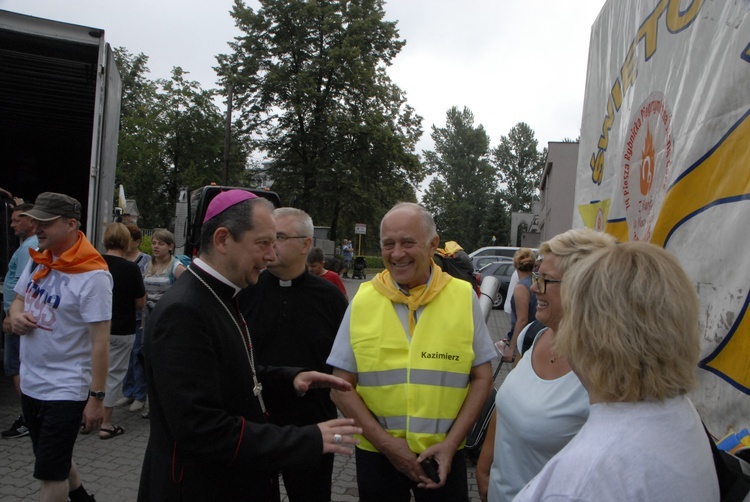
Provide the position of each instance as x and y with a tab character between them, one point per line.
172	268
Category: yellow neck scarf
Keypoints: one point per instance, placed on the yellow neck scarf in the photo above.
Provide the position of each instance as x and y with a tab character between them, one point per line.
82	257
421	295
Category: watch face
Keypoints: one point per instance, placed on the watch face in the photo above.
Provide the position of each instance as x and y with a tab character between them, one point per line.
97	395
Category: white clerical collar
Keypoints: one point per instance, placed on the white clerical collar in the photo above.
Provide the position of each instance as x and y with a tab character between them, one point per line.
213	273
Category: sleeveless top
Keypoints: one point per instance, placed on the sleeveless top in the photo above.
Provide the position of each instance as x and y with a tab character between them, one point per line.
526	282
157	284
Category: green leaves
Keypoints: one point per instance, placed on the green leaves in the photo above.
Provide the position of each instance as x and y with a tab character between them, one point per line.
312	91
171	135
465	180
519	166
464	195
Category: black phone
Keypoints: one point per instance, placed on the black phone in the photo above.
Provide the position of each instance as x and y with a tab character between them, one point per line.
430	467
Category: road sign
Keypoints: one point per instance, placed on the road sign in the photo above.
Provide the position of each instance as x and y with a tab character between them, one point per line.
360	228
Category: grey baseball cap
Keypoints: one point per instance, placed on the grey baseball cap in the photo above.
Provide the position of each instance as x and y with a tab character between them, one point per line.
49	206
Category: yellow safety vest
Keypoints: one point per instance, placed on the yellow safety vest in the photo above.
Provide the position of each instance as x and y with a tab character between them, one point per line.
415	390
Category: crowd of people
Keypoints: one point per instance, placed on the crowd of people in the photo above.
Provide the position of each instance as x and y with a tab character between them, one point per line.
245	360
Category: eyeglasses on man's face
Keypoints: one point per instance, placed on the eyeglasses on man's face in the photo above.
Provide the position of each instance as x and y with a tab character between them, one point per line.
541	282
285	237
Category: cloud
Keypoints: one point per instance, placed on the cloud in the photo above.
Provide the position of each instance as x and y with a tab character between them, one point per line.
508	61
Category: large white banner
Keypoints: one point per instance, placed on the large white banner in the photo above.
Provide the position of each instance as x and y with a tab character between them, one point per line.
665	157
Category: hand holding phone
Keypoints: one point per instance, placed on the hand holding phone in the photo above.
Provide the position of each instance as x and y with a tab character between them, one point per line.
430	467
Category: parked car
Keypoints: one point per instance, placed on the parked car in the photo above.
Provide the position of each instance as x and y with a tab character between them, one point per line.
503	270
480	261
494	251
497	251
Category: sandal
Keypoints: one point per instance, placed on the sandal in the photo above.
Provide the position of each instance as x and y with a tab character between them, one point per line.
110	433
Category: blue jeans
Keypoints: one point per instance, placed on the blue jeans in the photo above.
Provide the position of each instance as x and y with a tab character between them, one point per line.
12	361
134	385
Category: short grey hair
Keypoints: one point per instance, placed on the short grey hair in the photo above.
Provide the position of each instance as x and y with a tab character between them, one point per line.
302	221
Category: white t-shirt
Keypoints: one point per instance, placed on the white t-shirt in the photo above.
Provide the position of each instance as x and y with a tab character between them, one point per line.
536	418
646	451
56	357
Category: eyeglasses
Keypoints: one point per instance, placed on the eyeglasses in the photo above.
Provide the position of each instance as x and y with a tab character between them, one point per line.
285	237
541	282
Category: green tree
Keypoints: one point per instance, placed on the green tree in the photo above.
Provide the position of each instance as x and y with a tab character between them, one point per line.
171	135
140	164
310	83
194	142
497	223
520	166
465	181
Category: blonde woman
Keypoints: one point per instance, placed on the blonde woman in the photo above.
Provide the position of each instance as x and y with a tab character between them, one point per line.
541	404
631	332
128	295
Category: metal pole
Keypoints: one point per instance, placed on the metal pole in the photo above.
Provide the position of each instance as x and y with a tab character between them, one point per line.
228	135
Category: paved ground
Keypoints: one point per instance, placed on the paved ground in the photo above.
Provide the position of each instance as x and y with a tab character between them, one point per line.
111	469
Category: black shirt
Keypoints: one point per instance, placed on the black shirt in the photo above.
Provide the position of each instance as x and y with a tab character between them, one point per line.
295	324
128	287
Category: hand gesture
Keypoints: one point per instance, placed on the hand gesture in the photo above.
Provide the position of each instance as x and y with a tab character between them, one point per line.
338	435
315	380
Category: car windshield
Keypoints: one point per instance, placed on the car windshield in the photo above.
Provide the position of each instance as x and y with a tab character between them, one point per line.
498	268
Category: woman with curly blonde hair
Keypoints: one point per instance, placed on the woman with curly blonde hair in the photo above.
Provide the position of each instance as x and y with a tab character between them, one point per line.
630	333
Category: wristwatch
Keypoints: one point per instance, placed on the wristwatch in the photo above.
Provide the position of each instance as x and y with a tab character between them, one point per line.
97	394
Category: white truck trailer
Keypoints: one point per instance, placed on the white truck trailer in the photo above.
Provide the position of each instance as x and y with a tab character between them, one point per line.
665	157
59	115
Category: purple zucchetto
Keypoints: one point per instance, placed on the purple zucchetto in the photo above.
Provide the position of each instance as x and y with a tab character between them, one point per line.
225	200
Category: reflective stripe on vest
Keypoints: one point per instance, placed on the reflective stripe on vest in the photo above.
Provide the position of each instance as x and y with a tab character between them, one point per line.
423	377
415	390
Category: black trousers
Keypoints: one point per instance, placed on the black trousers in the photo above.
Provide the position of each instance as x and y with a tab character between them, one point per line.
311	483
379	481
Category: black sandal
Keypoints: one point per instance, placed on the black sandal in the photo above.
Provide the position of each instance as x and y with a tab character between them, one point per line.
110	433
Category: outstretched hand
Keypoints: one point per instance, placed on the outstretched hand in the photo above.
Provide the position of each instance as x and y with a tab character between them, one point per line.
338	435
316	380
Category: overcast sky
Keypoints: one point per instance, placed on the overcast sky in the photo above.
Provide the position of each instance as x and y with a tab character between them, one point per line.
508	61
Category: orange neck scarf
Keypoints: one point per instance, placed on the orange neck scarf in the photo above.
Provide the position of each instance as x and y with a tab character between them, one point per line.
81	257
421	295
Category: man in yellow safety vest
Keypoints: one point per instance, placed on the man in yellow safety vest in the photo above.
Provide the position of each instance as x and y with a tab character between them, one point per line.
414	344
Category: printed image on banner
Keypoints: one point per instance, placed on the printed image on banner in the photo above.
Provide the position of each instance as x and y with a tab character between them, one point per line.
646	160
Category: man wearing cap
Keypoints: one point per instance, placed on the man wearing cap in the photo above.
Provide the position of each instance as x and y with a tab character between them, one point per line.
293	316
62	310
414	344
209	438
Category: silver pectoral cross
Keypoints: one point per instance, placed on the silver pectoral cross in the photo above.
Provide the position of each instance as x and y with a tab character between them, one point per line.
258	387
